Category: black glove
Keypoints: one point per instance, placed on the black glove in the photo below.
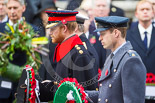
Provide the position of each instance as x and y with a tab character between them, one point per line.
19	57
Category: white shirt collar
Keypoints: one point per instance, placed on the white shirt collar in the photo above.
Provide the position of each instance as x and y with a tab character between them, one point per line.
11	23
87	34
142	29
119	48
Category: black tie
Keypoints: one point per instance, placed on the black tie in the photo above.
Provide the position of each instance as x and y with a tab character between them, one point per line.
111	60
145	39
111	55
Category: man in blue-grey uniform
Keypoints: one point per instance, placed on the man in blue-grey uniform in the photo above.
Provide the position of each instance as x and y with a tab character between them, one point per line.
123	76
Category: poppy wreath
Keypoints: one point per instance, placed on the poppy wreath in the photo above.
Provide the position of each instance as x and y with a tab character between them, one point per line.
19	46
150	79
32	85
65	86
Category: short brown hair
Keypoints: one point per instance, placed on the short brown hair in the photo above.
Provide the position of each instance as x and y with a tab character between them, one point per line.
71	26
121	29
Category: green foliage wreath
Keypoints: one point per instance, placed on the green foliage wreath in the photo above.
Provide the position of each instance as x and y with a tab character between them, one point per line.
20	37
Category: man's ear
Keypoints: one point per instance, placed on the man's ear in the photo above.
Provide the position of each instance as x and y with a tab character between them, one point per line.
116	32
24	8
76	29
64	28
136	15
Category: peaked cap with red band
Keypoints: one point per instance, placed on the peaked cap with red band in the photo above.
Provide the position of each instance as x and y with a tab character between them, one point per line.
60	16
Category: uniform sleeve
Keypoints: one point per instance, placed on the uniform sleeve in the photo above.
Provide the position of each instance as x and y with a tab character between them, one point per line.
133	81
46	91
84	71
93	95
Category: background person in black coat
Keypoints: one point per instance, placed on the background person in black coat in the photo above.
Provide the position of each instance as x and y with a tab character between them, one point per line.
136	35
100	9
81	17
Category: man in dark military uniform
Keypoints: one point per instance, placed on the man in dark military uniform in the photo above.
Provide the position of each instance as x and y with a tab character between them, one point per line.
80	30
73	60
124	71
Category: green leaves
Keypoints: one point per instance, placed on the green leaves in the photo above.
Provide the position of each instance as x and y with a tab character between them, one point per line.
18	37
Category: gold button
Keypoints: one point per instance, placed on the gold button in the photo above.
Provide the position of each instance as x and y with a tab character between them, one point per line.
110	85
115	70
106	100
133	54
96	89
55	83
78	48
99	99
80	51
100	85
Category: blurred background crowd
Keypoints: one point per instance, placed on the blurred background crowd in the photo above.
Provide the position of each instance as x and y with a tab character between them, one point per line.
142	17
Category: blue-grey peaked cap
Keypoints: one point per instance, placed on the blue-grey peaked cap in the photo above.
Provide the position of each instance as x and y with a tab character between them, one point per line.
104	23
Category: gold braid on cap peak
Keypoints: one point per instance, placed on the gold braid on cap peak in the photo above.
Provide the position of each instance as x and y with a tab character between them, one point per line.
51	25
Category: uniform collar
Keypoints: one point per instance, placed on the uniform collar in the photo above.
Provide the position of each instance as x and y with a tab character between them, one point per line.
118	48
120	53
64	48
68	37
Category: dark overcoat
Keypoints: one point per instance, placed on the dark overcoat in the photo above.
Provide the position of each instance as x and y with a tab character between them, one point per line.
147	55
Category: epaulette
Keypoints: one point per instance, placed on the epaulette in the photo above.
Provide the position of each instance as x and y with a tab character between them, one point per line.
132	53
79	49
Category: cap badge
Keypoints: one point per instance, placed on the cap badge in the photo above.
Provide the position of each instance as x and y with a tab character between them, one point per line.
63	21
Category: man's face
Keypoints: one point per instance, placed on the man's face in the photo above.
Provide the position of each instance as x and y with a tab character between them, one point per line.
2	8
15	10
106	38
56	34
101	8
144	12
